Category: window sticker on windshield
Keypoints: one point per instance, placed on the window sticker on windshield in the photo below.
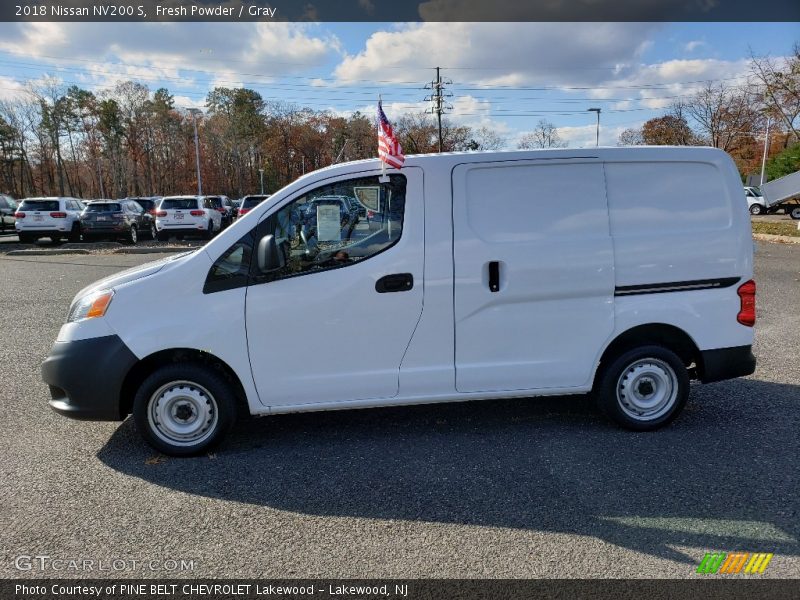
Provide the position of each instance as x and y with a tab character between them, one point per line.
369	196
329	221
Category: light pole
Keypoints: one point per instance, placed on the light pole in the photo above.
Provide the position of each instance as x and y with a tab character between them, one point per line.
194	112
766	147
597	134
261	176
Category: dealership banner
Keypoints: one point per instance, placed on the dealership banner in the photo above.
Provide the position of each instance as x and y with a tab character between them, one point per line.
393	589
400	10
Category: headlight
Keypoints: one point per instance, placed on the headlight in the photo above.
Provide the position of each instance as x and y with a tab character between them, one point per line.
91	306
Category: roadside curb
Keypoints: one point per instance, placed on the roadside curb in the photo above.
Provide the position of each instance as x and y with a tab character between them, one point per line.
48	252
780	239
57	251
155	250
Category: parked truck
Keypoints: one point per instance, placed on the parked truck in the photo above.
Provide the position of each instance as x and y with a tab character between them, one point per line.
783	193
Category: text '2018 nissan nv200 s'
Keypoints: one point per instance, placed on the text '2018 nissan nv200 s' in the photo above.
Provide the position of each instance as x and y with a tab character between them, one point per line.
479	275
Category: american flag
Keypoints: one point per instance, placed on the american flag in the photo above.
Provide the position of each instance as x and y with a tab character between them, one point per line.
389	149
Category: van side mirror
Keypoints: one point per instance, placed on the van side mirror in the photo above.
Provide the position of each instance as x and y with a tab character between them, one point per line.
270	258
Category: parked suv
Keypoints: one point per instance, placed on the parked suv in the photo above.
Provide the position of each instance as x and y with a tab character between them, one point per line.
187	215
123	219
223	206
55	218
148	203
8	206
250	202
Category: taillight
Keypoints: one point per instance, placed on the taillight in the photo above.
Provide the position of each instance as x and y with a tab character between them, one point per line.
161	213
19	215
747	303
243	211
58	215
152	211
196	213
222	210
370	214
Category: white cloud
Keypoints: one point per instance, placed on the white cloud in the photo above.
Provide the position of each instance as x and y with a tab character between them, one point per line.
694	45
500	53
183	55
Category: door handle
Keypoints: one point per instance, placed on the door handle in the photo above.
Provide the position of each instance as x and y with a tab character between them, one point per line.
494	276
399	282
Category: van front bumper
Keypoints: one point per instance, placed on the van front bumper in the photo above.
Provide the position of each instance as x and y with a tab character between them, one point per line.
727	363
85	377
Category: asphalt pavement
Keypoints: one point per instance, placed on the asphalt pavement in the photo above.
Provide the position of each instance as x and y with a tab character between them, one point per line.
523	488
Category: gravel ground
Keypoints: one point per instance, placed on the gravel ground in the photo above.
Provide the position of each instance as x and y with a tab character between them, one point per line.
539	488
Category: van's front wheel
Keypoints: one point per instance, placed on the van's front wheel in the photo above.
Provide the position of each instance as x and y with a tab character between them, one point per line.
643	388
183	409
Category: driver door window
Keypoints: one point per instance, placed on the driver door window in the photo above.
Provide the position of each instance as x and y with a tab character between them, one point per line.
338	225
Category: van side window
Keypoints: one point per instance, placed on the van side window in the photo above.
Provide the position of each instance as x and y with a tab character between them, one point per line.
231	270
339	224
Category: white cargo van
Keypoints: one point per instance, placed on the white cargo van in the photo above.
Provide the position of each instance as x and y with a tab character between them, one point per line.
479	275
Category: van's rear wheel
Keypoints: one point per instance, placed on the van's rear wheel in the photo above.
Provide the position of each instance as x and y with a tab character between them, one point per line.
756	209
184	409
643	388
795	212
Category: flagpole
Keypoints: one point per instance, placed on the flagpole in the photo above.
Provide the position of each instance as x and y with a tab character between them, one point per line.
383	178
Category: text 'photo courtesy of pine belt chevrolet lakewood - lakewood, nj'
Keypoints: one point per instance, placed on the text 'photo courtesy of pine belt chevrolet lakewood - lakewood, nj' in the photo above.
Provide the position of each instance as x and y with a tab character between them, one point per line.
465	280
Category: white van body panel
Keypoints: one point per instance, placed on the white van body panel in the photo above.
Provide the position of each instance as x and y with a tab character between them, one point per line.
556	274
567	267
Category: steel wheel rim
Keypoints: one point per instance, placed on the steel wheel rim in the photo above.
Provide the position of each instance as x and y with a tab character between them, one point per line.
133	234
182	413
647	389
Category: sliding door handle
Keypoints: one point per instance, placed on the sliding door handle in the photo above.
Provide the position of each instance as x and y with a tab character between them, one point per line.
494	276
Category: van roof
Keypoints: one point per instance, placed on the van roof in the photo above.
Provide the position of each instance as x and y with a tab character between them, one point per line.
677	153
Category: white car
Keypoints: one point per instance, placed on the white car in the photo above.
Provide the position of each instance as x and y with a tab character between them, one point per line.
475	285
187	215
755	201
56	218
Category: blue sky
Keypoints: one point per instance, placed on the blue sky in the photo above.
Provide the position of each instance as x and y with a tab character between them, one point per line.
506	76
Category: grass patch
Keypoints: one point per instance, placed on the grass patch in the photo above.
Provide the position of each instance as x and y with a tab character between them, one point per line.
789	229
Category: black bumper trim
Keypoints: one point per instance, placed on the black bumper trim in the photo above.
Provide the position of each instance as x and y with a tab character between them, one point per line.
85	377
727	363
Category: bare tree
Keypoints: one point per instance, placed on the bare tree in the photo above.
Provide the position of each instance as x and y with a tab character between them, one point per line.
545	135
722	113
631	137
781	87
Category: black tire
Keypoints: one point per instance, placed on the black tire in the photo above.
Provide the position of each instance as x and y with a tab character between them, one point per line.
26	238
200	392
75	233
162	236
757	209
644	366
209	232
153	232
88	238
133	236
795	213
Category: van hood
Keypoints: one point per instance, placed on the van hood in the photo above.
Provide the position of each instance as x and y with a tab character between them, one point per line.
132	274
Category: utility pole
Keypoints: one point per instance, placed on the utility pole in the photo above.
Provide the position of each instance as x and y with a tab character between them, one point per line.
194	112
597	133
261	176
766	148
437	100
